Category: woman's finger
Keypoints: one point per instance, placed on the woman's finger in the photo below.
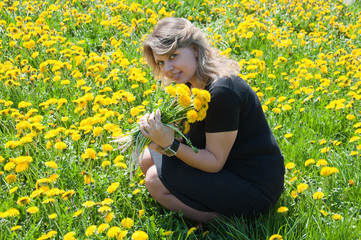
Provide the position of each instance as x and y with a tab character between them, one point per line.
157	116
143	119
151	120
144	130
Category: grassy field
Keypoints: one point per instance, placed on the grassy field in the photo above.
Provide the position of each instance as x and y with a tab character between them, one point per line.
72	76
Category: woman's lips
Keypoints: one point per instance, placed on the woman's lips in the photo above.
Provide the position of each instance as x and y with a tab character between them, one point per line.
176	76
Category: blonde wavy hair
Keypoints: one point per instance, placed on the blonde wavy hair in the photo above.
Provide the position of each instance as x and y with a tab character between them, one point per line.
172	33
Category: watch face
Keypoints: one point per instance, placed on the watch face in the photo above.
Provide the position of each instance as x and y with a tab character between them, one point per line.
169	152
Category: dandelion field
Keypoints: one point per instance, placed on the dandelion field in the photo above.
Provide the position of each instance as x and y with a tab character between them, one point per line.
72	76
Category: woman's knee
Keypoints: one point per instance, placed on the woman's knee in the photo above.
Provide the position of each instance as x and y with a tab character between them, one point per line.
153	183
145	161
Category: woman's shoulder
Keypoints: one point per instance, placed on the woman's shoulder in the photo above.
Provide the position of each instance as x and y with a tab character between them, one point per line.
233	83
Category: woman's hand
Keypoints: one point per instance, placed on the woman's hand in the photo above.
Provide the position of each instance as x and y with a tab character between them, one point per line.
152	128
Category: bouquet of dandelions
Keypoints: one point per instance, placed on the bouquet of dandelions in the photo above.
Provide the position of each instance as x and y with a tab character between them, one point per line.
180	107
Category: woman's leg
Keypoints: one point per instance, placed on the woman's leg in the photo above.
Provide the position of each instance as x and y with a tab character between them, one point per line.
145	161
160	193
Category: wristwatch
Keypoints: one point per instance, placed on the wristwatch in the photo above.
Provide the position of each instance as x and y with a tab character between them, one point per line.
172	149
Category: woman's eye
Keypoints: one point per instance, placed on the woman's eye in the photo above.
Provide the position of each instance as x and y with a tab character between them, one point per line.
160	62
173	56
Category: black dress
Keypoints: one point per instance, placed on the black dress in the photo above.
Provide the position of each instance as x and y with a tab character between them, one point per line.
252	178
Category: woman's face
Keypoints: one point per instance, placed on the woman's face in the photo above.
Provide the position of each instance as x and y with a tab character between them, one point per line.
180	66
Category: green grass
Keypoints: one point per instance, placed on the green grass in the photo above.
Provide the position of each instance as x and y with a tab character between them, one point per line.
87	40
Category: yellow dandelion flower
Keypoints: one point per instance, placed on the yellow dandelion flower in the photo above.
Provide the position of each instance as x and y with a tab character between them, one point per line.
90	230
141	212
182	89
191	230
119	158
202	114
350	117
171	90
168	233
29	44
325	150
122	234
272	76
113	187
14	189
276	110
197	103
32	210
10	178
102	227
97	131
104	209
48	145
12	212
89	153
282	210
302	187
337	217
49	200
51	164
75	136
351	182
17	227
353	153
23	200
293	179
107	148
121	165
88	204
186	127
206	95
21	167
276	237
185	100
60	145
35	54
318	195
290	165
288	135
69	236
327	171
107	201
139	235
23	104
113	232
109	217
66	195
105	164
192	116
127	223
77	213
321	162
354	139
323	212
309	162
48	235
136	191
9	166
286	107
52	216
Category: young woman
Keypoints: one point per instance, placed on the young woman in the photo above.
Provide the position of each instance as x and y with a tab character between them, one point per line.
239	168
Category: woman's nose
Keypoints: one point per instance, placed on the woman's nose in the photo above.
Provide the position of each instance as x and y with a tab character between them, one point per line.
168	66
